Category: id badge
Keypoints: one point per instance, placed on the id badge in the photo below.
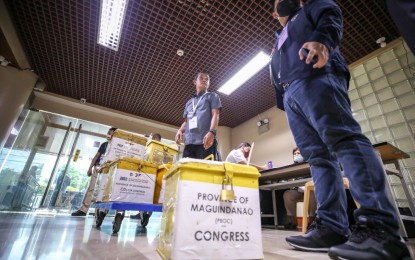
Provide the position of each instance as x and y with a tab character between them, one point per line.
189	115
193	122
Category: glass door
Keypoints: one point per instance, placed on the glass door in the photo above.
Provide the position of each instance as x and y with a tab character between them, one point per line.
45	161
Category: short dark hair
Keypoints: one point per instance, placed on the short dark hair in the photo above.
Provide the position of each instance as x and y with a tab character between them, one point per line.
113	129
156	137
199	73
244	145
295	149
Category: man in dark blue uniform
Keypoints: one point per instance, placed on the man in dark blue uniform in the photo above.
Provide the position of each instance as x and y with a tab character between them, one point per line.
201	119
403	14
308	67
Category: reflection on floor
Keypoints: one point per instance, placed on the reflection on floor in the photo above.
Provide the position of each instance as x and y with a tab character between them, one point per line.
41	236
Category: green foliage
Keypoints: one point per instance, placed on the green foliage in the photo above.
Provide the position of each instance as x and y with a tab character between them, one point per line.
7	175
70	188
79	180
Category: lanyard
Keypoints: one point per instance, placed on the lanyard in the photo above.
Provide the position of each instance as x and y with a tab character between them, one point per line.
193	102
283	36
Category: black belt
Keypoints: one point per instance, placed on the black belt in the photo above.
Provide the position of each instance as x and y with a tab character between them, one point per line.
286	85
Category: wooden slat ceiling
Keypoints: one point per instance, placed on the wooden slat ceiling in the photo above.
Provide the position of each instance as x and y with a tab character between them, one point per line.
146	77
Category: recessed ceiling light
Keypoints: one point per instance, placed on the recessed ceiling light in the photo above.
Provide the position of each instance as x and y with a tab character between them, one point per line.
249	70
380	40
111	20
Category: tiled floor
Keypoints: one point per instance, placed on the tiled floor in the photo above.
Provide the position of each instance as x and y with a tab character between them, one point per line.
40	236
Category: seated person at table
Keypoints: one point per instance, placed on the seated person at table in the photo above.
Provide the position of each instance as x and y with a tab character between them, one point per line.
294	195
241	154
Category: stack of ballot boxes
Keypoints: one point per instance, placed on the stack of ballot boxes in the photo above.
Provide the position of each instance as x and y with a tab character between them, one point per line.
211	210
130	180
125	144
160	153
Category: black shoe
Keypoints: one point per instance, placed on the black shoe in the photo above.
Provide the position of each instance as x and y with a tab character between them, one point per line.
99	218
138	216
78	213
119	216
318	238
290	226
146	218
370	241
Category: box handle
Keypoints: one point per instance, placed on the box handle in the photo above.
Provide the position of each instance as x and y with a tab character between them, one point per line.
210	157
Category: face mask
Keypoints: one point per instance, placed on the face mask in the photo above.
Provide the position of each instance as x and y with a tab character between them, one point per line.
298	158
109	137
287	7
246	153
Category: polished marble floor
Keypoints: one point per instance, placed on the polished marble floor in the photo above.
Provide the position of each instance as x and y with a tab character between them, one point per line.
60	236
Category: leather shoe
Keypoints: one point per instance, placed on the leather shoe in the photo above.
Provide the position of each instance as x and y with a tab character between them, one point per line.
78	213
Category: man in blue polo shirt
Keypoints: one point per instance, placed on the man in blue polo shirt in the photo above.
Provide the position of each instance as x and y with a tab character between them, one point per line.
201	119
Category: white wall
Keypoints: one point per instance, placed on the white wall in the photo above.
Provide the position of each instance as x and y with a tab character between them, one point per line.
15	89
70	107
382	94
225	140
274	145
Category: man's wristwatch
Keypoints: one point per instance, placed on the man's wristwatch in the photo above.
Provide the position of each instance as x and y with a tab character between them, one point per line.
213	131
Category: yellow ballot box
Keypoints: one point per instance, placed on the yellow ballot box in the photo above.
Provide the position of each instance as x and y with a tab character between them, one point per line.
197	224
101	182
130	180
160	183
160	153
125	144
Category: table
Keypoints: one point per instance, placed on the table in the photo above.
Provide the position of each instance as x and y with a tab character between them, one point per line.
388	154
391	155
291	171
283	180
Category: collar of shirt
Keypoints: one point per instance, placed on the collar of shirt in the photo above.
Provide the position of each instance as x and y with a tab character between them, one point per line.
200	94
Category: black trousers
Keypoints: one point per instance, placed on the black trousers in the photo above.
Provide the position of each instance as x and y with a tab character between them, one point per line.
197	151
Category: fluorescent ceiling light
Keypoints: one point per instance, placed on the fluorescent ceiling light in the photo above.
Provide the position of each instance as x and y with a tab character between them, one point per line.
14	131
110	22
249	70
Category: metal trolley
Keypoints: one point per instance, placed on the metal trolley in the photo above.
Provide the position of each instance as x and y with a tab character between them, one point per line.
102	208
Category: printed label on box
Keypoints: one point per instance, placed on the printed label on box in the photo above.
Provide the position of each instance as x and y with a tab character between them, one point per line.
230	229
118	148
132	186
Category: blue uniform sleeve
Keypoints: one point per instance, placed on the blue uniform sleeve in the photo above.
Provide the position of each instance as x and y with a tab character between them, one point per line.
215	101
185	109
185	113
102	148
328	22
